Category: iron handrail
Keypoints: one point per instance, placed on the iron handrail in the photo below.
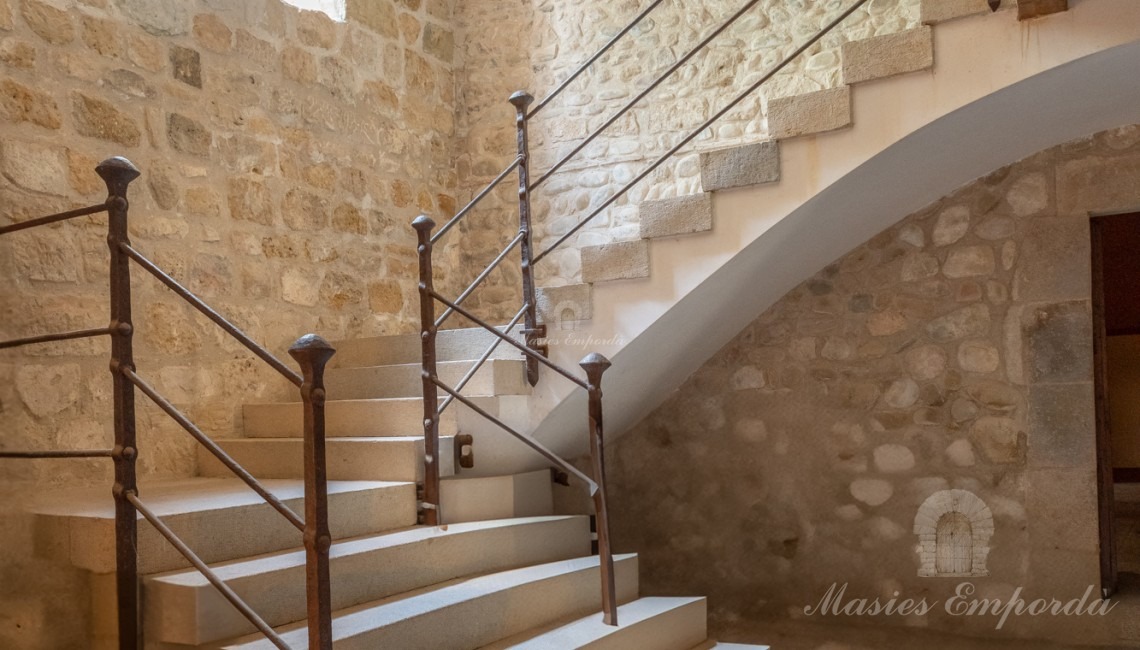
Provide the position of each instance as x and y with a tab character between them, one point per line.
61	336
482	360
206	571
692	136
218	319
482	277
54	218
529	353
61	453
213	447
644	93
478	198
593	59
311	352
525	439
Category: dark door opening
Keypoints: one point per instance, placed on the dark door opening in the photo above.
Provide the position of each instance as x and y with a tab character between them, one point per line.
1116	345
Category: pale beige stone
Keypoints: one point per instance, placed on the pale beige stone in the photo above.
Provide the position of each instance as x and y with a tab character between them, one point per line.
952	225
618	261
888	55
753	164
978	356
937	11
873	492
970	261
926	362
566	304
49	390
818	112
893	459
680	216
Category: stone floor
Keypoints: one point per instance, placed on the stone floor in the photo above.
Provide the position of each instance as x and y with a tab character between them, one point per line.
808	636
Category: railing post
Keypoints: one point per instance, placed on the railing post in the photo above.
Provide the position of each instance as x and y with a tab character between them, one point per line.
432	514
312	353
118	173
534	332
595	365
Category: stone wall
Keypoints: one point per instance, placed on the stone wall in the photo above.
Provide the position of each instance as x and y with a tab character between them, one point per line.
951	352
283	157
511	46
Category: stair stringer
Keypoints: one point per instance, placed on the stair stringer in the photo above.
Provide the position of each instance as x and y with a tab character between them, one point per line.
1000	91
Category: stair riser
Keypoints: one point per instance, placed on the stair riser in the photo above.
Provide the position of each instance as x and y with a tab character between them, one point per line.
374	418
223	534
486	618
494	378
677	629
496	497
345	419
377	459
657	623
451	345
198	614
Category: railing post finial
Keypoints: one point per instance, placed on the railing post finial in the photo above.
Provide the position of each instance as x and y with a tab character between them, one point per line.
312	353
117	173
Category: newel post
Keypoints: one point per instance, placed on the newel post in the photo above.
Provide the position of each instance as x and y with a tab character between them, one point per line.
595	366
432	515
118	173
534	332
312	353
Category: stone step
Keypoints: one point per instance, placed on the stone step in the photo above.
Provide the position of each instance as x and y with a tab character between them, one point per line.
496	377
392	458
380	417
627	260
183	608
451	345
735	167
220	519
496	497
683	215
470	613
938	11
646	624
717	646
885	56
561	307
401	416
810	113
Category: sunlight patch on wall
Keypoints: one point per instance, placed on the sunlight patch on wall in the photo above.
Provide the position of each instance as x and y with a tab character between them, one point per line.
334	8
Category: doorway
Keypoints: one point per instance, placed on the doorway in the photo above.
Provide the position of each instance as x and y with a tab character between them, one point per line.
1116	346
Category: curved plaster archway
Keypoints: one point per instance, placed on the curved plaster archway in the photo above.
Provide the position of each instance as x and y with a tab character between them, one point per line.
1000	92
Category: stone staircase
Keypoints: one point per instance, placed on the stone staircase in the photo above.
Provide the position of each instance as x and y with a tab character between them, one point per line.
505	572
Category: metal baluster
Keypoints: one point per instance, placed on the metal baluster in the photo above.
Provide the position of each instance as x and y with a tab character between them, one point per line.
118	173
533	331
595	365
312	353
432	515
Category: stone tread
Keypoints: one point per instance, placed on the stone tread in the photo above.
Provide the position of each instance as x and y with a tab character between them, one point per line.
649	623
390	458
467	344
496	377
394	416
185	608
503	604
80	522
888	55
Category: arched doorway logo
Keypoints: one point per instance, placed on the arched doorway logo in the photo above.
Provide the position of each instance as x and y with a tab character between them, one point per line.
954	529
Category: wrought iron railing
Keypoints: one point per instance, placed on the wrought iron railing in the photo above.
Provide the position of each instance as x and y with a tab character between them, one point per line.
533	348
311	352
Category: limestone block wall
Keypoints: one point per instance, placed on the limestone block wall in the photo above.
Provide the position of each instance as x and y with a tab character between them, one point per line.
953	352
533	46
283	155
